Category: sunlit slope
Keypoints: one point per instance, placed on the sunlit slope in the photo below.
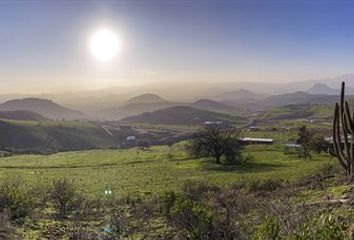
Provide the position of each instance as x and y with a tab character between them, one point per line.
158	170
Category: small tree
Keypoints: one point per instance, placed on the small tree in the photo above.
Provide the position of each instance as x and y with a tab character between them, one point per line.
216	142
304	141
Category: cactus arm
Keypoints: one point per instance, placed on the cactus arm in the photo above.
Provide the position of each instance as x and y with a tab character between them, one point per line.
345	127
349	118
346	143
337	139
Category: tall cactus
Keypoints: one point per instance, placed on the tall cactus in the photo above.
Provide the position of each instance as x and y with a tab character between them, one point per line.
343	134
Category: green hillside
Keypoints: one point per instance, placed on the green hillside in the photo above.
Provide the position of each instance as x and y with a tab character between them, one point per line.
160	169
52	135
297	111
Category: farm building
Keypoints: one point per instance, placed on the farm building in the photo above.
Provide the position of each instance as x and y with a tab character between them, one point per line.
131	138
208	123
292	145
253	128
249	141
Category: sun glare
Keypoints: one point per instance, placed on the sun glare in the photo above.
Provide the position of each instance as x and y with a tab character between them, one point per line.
104	44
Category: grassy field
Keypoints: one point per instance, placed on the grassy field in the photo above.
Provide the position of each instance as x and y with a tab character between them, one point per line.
297	111
157	170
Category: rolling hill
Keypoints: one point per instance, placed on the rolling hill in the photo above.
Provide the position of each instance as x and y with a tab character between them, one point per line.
44	107
211	105
40	136
182	115
145	98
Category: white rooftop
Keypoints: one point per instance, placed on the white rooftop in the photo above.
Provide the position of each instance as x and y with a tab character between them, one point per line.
257	139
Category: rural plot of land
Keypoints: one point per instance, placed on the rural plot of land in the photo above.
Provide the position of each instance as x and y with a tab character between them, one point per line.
156	170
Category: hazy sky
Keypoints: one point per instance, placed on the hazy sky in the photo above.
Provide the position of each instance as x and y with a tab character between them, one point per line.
44	44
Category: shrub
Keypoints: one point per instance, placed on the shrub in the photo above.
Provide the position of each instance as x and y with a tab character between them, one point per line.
119	224
264	185
90	210
167	202
64	197
326	227
195	190
16	199
268	230
194	219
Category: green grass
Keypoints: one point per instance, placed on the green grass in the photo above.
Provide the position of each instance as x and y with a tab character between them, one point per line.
297	111
155	171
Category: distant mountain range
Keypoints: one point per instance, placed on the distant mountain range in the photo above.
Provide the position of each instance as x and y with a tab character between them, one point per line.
44	107
298	98
122	106
237	95
93	101
228	102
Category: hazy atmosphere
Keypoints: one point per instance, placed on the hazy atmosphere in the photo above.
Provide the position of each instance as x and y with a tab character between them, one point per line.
176	120
45	46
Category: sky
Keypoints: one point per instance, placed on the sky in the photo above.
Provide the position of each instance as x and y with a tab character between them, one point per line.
44	44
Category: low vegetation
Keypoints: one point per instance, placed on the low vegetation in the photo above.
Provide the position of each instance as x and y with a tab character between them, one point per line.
268	209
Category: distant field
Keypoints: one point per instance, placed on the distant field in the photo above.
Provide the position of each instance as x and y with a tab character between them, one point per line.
155	171
298	111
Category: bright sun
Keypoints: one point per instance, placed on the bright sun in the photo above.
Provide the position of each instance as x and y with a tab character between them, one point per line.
104	44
